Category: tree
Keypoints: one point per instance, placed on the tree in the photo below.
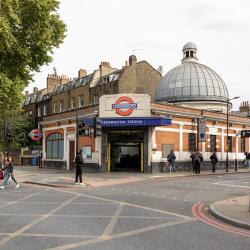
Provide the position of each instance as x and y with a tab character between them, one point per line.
29	31
19	126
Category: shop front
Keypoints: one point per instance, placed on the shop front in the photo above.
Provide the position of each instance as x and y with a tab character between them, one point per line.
126	134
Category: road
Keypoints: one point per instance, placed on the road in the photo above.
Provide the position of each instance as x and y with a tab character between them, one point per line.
147	215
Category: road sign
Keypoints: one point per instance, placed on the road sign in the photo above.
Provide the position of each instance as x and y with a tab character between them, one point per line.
35	134
245	133
201	130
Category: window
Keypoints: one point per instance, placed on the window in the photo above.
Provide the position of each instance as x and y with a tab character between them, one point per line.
54	107
54	146
191	142
96	99
72	102
81	102
86	151
212	143
61	106
242	144
230	144
45	109
39	111
191	53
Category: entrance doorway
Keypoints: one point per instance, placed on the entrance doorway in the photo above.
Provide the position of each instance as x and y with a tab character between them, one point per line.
125	151
71	154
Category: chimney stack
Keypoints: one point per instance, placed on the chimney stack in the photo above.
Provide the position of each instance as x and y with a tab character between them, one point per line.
82	73
54	81
132	60
105	68
35	90
26	92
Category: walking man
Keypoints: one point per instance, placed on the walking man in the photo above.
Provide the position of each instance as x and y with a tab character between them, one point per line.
79	165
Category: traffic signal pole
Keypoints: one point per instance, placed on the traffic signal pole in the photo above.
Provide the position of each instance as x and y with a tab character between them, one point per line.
77	132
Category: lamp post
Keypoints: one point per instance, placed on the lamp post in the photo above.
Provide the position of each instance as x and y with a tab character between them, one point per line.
228	100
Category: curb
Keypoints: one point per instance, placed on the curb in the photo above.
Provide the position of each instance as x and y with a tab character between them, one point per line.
226	219
53	185
192	175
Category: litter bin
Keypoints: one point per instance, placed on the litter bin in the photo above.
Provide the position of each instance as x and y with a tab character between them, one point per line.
34	161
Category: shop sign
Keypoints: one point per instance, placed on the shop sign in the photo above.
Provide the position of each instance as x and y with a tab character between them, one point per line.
124	106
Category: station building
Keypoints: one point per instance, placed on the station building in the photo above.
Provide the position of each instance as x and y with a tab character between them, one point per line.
141	116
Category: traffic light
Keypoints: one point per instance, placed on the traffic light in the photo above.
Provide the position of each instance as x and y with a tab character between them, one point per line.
8	136
7	133
97	127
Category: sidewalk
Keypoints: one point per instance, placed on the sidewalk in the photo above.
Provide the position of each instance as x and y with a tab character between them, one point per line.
234	211
63	178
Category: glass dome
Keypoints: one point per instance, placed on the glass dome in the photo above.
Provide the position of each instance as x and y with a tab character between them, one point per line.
191	81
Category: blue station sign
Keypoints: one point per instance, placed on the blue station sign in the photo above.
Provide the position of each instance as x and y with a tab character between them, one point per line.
128	122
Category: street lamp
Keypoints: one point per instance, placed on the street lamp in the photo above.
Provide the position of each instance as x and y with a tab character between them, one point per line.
228	100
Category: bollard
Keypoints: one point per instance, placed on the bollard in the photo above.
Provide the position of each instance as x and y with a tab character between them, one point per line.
249	202
236	165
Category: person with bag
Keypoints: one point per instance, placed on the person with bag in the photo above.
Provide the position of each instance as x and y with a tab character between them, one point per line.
79	165
214	160
171	159
198	158
8	164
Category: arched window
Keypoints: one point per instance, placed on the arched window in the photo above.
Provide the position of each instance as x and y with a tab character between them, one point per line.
55	146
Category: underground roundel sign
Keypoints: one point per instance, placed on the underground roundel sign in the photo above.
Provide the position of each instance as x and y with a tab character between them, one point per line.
124	106
35	135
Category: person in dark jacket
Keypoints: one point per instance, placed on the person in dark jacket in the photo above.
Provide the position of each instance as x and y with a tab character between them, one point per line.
214	160
198	158
79	165
192	159
8	166
171	159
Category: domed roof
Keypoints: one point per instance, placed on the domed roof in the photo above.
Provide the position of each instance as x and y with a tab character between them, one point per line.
189	45
191	81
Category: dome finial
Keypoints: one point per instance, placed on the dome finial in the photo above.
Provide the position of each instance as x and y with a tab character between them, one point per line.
189	52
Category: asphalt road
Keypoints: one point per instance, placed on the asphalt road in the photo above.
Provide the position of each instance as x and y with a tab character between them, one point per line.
146	215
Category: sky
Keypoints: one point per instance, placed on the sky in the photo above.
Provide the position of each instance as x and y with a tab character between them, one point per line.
155	31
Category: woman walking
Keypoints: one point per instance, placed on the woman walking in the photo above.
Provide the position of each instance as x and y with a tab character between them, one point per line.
8	165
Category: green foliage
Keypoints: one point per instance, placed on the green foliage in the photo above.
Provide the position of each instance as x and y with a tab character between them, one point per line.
20	127
29	31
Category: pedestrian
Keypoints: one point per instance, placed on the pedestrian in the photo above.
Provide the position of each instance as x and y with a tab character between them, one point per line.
171	160
8	167
214	160
247	154
79	165
198	158
192	159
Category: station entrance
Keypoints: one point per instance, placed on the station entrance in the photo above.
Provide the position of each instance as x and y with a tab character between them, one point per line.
125	150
